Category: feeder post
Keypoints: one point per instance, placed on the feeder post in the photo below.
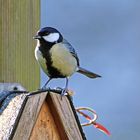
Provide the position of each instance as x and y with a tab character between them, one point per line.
19	21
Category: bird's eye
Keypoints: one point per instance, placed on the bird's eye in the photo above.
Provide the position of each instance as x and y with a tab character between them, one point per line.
47	33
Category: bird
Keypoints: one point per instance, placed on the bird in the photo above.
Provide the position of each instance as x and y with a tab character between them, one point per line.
57	57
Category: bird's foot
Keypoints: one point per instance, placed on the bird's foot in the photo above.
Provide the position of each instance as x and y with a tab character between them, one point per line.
59	89
68	91
62	91
43	88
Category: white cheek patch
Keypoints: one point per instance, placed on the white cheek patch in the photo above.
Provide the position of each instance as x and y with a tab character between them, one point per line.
53	37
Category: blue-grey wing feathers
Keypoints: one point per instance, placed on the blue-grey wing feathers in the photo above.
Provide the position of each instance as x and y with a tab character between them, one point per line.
80	70
71	49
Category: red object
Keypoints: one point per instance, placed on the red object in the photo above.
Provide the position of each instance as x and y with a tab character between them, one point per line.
96	125
85	115
101	128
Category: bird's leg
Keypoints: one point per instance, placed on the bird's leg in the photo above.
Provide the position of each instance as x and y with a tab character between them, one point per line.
66	87
44	87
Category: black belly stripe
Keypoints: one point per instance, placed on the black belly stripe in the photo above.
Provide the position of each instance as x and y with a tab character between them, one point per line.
53	72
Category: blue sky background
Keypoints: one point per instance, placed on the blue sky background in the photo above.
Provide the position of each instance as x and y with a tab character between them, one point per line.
106	35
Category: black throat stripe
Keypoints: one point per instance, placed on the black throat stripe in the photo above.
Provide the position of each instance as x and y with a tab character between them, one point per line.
45	50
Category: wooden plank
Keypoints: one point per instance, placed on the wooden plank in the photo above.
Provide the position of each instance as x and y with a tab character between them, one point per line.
29	116
19	21
45	127
64	117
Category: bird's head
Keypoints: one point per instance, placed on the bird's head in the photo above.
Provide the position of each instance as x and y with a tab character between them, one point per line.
49	34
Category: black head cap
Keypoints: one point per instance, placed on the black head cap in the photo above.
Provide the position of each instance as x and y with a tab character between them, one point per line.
47	31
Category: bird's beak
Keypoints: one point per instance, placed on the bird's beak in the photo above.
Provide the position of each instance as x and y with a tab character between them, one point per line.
37	37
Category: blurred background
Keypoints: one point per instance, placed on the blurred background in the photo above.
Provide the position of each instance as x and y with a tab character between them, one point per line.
106	36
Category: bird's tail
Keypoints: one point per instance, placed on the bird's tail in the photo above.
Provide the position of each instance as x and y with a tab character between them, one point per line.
87	73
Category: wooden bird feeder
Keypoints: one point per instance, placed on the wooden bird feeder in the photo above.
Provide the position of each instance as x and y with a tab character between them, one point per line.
43	116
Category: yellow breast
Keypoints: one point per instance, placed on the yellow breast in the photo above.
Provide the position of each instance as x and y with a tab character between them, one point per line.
63	60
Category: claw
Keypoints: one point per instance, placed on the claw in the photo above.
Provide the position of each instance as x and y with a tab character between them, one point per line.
59	88
63	92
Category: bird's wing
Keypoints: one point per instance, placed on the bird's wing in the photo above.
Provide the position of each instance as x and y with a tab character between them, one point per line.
71	49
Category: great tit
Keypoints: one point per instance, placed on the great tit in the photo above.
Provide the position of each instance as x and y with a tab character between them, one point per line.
57	57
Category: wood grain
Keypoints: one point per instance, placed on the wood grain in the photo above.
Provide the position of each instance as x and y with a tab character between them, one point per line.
29	117
45	127
19	21
64	117
40	119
